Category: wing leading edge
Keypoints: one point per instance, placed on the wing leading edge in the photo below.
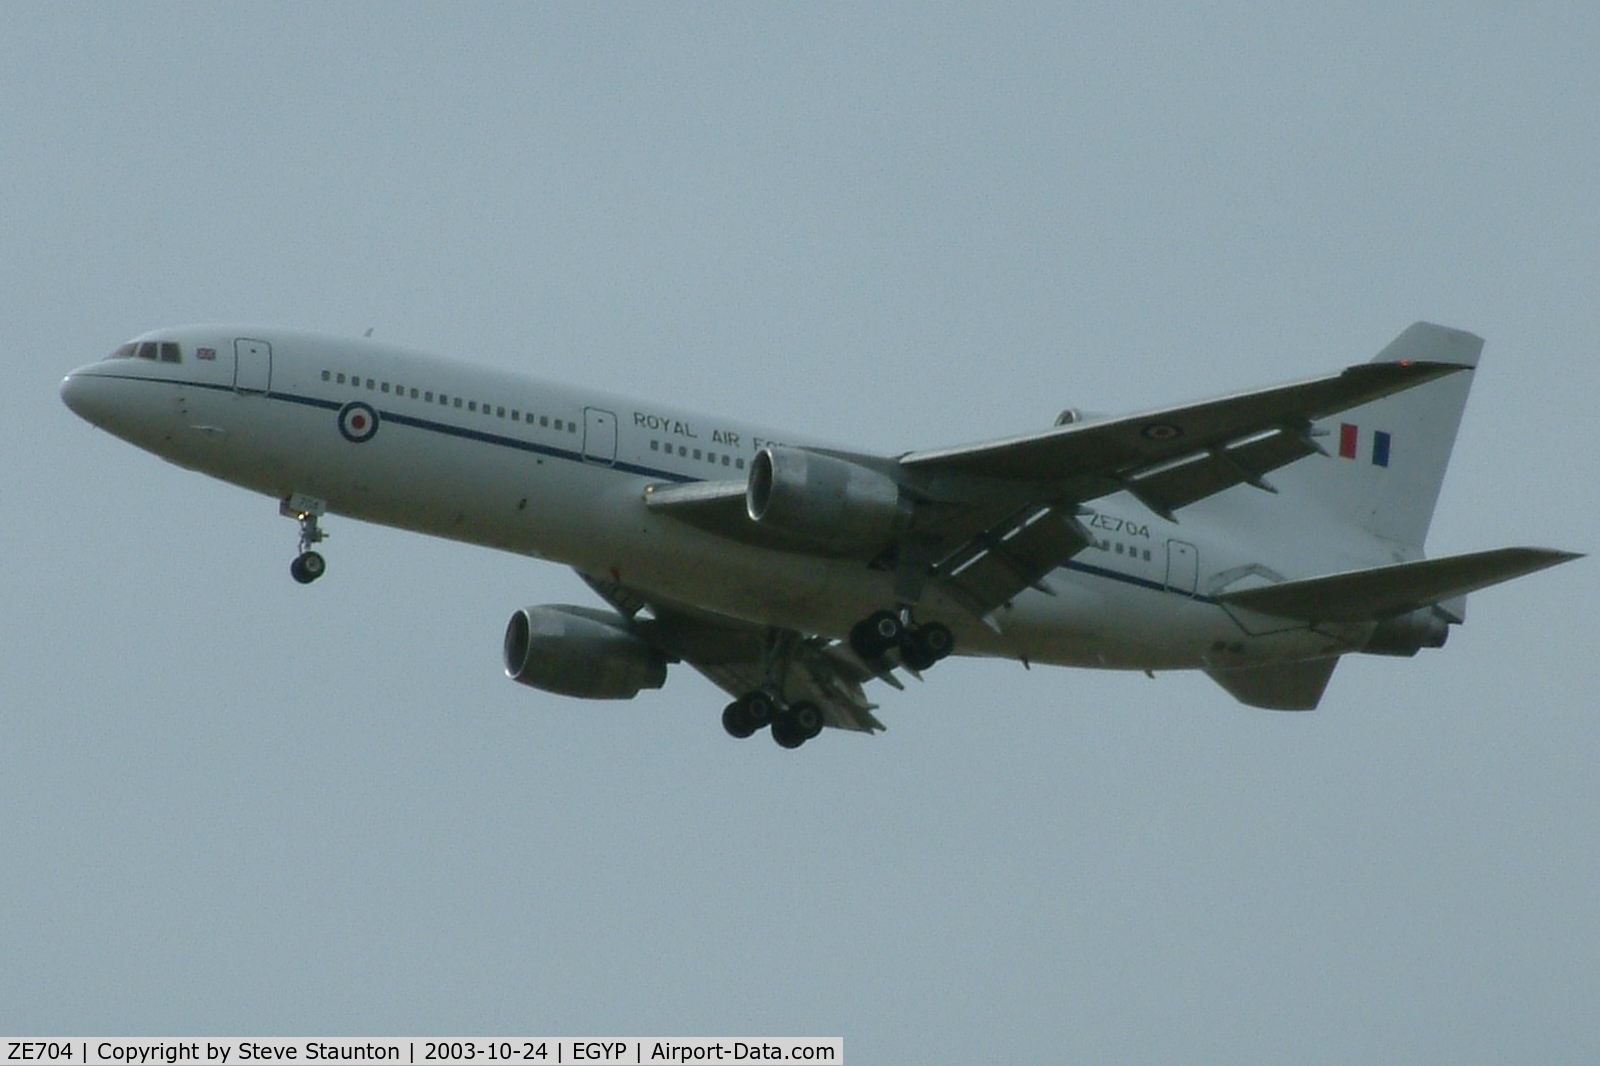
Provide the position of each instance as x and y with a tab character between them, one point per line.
1171	457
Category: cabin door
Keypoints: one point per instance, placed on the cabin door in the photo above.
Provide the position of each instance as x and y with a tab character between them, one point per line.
599	436
1183	567
252	365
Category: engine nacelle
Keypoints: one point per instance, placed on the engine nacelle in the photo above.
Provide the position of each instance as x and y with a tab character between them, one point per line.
831	503
1408	634
576	651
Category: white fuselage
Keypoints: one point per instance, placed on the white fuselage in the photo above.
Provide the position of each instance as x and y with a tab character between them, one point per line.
514	462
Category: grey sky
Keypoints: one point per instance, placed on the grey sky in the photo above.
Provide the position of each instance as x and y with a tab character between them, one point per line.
230	804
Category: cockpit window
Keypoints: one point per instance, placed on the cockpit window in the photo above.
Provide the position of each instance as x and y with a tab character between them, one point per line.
155	351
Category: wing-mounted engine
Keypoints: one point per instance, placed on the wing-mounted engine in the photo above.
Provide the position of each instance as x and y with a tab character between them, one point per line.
1405	635
831	504
582	652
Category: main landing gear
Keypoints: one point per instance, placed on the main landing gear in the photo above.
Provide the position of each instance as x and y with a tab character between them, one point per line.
920	645
308	565
792	724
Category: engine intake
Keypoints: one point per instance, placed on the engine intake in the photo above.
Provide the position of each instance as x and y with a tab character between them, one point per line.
577	651
831	503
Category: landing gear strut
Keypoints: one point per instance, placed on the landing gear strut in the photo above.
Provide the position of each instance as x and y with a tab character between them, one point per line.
308	565
792	723
920	645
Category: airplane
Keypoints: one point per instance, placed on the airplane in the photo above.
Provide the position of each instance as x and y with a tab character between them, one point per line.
792	572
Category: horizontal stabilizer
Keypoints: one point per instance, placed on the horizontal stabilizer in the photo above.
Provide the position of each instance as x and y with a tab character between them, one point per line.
1279	687
1386	591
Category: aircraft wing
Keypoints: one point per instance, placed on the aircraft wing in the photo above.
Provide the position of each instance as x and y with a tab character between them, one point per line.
736	655
1386	591
1176	455
996	518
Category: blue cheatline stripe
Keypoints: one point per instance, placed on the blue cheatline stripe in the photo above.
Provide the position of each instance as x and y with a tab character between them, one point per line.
445	429
430	426
1380	448
1129	579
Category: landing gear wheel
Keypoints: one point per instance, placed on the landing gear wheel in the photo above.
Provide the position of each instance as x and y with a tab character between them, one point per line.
808	717
736	719
307	567
914	657
926	645
787	731
876	634
759	706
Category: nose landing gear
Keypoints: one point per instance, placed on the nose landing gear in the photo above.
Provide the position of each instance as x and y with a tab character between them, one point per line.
308	565
920	645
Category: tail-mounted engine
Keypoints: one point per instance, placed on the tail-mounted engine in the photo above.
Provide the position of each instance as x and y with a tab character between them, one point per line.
833	504
578	651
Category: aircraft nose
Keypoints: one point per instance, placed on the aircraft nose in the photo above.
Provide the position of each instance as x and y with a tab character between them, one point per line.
85	396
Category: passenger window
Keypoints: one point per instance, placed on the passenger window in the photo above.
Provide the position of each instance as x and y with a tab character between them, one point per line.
655	446
428	396
739	463
413	394
499	412
385	386
683	452
544	421
516	416
327	375
171	354
370	383
572	427
340	379
458	403
724	460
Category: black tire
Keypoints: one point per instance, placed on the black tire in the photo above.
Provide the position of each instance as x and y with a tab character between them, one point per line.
307	567
737	721
760	706
876	634
787	732
934	639
914	657
808	716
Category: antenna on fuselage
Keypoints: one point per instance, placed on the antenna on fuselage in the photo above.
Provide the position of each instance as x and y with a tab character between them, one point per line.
368	333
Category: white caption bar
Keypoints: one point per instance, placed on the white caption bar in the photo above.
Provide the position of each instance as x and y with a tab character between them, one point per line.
419	1051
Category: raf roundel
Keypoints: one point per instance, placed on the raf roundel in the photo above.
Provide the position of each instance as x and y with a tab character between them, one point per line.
358	422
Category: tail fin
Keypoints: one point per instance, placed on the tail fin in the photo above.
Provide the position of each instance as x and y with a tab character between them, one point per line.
1387	458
